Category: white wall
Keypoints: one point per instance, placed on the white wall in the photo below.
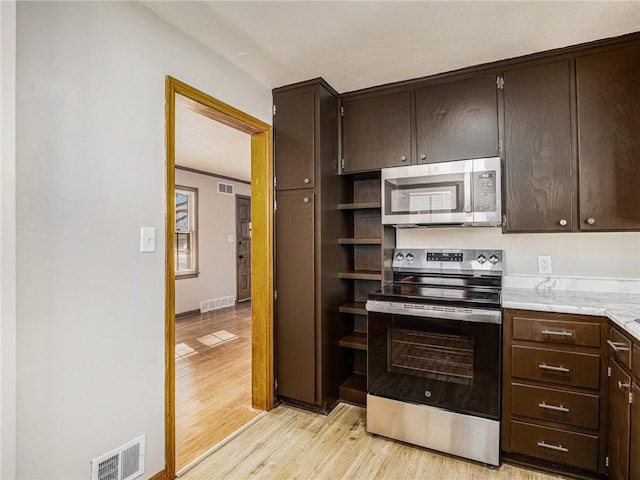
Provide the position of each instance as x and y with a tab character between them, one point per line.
7	240
90	172
217	256
608	255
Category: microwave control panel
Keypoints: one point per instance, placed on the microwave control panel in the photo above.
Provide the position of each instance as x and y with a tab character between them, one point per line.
484	191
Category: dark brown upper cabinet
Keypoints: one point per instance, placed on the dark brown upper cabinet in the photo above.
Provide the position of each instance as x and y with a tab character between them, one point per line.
294	125
457	120
376	132
608	107
538	159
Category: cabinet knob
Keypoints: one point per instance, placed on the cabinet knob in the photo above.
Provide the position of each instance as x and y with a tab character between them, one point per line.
563	222
403	158
591	221
306	180
423	156
306	199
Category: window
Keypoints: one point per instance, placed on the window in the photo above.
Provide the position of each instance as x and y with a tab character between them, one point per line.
186	242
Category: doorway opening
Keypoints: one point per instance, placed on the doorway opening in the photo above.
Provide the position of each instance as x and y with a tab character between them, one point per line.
258	314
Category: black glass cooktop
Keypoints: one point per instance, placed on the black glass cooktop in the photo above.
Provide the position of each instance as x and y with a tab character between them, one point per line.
434	294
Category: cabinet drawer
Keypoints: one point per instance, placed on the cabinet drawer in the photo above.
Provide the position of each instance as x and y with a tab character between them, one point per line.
554	366
571	408
561	446
636	362
620	347
556	331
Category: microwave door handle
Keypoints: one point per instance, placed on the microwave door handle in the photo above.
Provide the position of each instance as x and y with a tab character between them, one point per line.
467	192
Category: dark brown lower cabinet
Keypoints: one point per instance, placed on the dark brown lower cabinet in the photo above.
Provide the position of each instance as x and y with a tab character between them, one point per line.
634	441
295	281
555	398
619	422
624	408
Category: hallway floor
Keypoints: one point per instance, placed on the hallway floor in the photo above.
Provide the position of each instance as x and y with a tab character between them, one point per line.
213	379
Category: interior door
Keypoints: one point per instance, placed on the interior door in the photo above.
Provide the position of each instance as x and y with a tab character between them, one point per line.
243	237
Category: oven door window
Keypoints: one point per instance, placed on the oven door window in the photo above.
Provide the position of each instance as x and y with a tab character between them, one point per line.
447	358
449	364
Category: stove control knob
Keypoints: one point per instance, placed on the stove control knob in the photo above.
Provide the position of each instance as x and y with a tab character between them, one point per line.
409	258
493	259
399	257
482	259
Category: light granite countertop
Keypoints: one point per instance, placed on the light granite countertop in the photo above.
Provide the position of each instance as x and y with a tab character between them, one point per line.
623	309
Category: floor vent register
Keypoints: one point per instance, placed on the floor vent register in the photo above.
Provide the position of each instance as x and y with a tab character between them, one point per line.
123	463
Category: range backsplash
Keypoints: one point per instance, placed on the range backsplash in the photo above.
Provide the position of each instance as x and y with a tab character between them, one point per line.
601	255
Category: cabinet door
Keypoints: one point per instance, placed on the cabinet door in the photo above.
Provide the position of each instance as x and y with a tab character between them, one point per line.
537	121
634	443
295	306
619	421
608	95
294	133
376	132
457	120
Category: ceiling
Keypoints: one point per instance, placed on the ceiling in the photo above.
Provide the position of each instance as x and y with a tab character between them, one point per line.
208	145
355	44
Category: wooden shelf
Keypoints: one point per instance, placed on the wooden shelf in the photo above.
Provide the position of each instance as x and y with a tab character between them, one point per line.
359	206
354	390
361	275
357	341
356	308
360	241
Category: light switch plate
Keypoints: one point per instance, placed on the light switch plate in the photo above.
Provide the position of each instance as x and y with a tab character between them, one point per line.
147	239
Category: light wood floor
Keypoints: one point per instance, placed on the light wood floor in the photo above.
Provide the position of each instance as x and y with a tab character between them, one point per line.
213	386
291	443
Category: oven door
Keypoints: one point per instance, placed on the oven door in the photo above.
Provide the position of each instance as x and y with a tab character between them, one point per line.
445	363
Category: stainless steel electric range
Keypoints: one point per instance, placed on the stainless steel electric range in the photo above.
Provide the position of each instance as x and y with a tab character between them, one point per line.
434	352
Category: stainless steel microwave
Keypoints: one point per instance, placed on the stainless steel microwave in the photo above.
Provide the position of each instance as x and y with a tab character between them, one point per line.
464	192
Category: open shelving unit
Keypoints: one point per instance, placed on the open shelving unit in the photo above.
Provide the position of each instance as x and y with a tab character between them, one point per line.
369	246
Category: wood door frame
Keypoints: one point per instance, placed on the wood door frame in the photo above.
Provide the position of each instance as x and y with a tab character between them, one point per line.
262	392
244	197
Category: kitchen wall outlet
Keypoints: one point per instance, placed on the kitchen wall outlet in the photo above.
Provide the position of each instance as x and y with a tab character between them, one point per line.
230	238
147	239
544	264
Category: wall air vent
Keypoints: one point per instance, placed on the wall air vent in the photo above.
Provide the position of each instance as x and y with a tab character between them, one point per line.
217	303
123	463
225	188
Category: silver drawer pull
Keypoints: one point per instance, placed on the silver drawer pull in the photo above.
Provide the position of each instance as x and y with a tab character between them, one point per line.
617	346
554	407
623	386
555	332
557	448
554	369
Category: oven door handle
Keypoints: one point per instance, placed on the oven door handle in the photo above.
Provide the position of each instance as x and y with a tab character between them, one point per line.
435	311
